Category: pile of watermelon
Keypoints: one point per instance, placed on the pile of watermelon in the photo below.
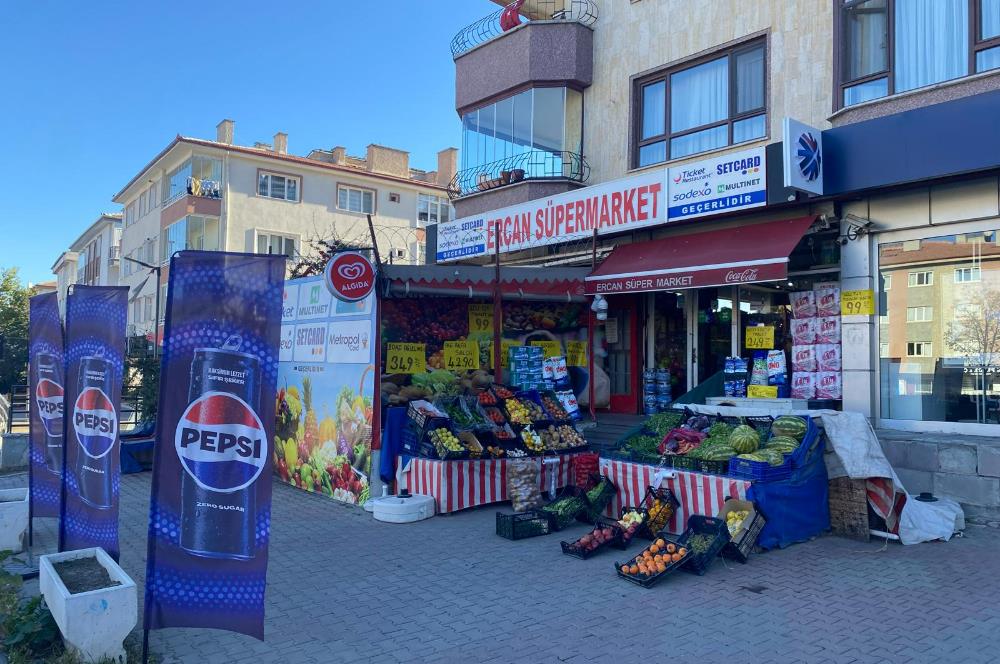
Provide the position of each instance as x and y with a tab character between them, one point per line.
787	433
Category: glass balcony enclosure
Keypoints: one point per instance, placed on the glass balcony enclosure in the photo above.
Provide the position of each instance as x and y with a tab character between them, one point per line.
206	172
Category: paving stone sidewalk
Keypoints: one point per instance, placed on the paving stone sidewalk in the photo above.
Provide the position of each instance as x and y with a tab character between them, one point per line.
344	588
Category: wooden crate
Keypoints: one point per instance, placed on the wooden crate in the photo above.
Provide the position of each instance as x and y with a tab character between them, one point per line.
849	508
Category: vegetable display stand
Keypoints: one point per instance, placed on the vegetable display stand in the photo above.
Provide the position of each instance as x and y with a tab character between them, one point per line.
704	539
604	535
520	526
742	540
655	571
761	471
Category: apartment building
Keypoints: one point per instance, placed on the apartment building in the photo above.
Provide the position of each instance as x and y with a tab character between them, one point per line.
219	195
92	259
649	137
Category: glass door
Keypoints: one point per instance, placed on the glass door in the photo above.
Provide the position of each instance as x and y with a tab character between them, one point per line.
621	338
713	331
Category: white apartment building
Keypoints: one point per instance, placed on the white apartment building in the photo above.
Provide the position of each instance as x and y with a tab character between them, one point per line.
92	259
217	195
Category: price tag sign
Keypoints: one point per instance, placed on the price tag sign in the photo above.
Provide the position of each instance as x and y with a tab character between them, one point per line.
461	355
549	348
505	346
404	358
760	337
762	391
576	353
480	318
857	303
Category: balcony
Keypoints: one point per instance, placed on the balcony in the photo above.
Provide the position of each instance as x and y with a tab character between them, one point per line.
501	54
114	254
510	17
204	188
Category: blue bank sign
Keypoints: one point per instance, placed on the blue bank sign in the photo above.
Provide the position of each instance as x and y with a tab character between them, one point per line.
722	184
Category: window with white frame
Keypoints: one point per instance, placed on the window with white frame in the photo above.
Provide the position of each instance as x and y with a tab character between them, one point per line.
137	310
130	214
883	349
433	209
192	232
281	187
919	314
142	204
163	302
919	349
967	275
147	307
920	278
275	243
353	199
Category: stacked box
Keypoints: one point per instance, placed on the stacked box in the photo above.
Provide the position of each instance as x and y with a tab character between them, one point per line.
524	366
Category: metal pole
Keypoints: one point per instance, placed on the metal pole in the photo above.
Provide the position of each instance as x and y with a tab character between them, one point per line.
590	333
377	380
497	309
156	314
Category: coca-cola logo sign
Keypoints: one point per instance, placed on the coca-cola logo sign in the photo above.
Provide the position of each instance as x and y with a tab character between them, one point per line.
742	276
350	276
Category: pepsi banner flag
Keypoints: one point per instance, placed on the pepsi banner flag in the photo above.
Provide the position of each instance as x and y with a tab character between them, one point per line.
210	509
45	385
95	366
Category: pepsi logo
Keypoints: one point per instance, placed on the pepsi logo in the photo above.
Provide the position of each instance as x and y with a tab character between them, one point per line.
95	422
221	442
49	400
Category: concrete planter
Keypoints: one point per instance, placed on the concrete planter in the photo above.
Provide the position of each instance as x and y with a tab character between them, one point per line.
13	519
94	624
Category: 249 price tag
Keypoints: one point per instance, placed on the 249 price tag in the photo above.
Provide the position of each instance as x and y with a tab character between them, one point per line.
405	358
461	355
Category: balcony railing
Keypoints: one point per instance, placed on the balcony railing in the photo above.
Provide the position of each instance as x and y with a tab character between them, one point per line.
114	253
534	165
508	18
206	188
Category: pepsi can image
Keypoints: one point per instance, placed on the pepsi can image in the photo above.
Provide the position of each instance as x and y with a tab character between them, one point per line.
49	402
96	424
222	446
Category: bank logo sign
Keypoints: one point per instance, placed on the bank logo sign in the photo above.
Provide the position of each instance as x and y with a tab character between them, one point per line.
722	184
802	157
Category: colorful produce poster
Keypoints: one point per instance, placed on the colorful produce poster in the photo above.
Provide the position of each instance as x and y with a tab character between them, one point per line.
326	379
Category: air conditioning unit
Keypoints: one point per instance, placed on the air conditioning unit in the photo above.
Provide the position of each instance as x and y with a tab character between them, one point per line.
397	253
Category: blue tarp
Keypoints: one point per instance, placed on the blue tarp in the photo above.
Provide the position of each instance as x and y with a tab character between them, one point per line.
796	509
392	442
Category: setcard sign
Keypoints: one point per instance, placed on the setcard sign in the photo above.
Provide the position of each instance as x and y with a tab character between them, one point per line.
210	508
727	183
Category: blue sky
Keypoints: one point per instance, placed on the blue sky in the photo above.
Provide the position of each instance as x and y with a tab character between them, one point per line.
92	91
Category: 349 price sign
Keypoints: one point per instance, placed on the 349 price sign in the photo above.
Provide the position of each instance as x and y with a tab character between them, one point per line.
461	355
405	358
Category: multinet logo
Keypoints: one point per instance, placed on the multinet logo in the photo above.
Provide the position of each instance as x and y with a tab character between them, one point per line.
809	157
314	295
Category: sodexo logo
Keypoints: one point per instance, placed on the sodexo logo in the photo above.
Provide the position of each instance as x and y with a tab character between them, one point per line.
221	443
810	159
49	399
95	422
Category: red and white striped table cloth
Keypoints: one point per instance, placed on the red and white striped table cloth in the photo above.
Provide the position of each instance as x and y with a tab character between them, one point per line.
696	492
459	485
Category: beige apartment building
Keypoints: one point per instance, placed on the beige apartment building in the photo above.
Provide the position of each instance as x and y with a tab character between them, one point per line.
220	195
93	259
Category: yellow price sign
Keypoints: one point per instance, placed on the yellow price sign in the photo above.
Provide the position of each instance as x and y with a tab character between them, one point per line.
505	346
760	337
576	353
405	358
480	318
762	391
461	355
857	303
549	348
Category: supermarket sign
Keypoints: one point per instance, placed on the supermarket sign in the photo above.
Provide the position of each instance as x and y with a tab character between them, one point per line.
735	181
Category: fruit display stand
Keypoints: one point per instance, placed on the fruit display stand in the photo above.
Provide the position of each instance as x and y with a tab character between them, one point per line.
697	493
461	484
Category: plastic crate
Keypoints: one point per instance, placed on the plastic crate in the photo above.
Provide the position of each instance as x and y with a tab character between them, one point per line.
698	563
421	418
549	394
710	467
760	471
662	495
595	508
641	530
521	526
741	548
653	579
558	521
574	549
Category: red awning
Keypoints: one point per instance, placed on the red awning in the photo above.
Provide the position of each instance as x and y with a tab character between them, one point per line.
528	283
747	254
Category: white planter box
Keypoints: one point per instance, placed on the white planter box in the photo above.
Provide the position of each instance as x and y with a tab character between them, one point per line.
13	519
94	624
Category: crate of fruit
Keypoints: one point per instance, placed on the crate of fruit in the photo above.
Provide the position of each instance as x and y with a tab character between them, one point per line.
470	441
520	526
501	392
424	414
603	535
744	523
704	539
532	440
446	444
555	409
462	419
654	563
631	519
517	411
660	504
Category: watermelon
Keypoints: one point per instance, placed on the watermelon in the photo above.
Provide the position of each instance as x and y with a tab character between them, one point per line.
773	457
784	444
744	439
719	454
791	426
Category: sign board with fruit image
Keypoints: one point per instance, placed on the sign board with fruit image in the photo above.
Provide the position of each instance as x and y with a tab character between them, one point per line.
323	433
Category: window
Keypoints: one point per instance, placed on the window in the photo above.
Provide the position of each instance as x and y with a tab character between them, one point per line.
701	107
149	253
193	232
207	171
272	243
282	187
432	209
891	46
393	197
148	307
142	204
920	278
353	199
137	310
883	350
886	282
126	264
919	314
919	349
163	302
130	214
966	275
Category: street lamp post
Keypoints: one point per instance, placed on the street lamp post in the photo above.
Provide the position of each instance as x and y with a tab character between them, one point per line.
153	269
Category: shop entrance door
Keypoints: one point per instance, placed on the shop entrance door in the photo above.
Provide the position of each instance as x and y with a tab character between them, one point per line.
622	339
713	332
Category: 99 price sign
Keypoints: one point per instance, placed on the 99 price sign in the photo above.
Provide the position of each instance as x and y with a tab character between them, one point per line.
405	358
480	318
857	303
